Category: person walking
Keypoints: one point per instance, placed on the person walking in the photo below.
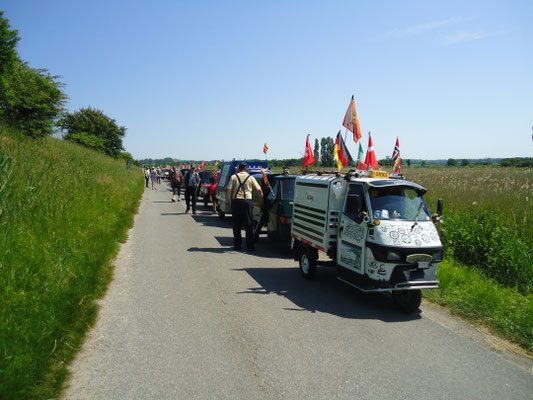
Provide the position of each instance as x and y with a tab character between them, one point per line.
239	194
192	180
153	178
147	175
213	192
176	178
158	175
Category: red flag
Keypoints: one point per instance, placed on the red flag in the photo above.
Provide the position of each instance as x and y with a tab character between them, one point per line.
370	159
203	164
351	121
309	158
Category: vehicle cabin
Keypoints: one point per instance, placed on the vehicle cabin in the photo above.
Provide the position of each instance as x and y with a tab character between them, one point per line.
228	169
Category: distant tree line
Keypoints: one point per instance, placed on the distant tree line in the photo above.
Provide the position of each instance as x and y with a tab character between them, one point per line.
32	103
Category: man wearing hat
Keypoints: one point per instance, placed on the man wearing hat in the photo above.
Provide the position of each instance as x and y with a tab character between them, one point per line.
239	194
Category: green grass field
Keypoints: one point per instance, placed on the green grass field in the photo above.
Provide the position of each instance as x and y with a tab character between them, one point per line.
487	276
63	211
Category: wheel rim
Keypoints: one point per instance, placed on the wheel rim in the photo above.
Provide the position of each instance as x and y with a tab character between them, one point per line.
304	264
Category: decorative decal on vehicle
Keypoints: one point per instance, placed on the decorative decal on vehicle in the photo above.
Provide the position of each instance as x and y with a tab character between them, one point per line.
351	256
353	231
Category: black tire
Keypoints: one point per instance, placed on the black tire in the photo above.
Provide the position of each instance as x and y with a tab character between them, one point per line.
307	262
407	300
205	201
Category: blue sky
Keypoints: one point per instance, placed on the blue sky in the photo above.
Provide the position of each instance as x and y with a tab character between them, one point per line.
218	79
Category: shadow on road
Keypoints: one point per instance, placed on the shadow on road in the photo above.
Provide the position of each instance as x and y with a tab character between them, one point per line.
211	220
324	294
172	213
264	249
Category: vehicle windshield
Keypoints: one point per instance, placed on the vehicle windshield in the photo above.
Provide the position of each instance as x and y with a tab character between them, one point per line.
397	202
207	177
287	189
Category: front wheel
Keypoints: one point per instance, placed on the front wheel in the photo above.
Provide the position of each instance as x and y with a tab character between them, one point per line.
307	263
407	300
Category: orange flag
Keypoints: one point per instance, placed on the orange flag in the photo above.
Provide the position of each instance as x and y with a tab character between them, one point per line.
351	121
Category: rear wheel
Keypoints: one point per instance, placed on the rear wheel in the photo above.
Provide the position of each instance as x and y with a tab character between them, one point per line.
407	300
307	262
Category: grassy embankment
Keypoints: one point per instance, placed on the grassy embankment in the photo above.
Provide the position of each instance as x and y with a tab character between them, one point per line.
63	211
487	275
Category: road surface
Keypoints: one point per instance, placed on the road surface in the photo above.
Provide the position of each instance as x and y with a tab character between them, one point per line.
186	317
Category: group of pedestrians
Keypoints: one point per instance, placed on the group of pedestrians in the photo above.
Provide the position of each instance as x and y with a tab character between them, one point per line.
190	180
152	175
239	193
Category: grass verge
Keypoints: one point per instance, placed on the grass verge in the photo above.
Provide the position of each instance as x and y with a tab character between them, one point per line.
63	211
481	300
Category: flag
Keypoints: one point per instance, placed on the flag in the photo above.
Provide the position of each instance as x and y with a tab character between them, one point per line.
265	148
264	176
351	121
309	158
396	161
370	159
342	155
360	160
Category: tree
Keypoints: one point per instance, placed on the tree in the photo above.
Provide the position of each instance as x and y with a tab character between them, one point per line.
408	162
465	162
451	162
8	41
31	99
92	128
317	152
423	163
326	151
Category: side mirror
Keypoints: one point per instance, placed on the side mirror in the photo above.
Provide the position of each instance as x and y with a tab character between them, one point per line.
440	203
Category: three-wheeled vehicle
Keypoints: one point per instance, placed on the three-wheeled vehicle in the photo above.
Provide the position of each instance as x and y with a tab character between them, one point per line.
277	210
207	179
226	171
375	228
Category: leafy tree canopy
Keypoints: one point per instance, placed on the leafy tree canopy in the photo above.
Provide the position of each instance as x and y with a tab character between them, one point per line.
8	42
30	99
92	128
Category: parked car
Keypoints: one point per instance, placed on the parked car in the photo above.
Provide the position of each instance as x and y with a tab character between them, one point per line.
207	181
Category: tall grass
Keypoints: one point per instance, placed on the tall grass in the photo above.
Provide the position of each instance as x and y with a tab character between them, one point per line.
63	209
488	220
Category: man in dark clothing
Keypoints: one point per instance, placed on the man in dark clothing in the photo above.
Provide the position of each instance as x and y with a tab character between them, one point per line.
239	194
191	180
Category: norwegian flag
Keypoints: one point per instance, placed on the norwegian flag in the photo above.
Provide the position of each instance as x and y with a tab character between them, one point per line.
396	161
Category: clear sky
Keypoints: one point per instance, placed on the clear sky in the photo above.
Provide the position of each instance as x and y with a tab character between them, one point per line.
217	79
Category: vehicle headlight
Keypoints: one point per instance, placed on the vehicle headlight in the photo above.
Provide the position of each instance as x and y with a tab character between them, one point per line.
393	256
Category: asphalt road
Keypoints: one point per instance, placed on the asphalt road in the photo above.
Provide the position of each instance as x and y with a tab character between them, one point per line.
186	317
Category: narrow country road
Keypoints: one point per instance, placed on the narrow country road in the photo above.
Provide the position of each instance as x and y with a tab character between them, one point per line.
186	317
